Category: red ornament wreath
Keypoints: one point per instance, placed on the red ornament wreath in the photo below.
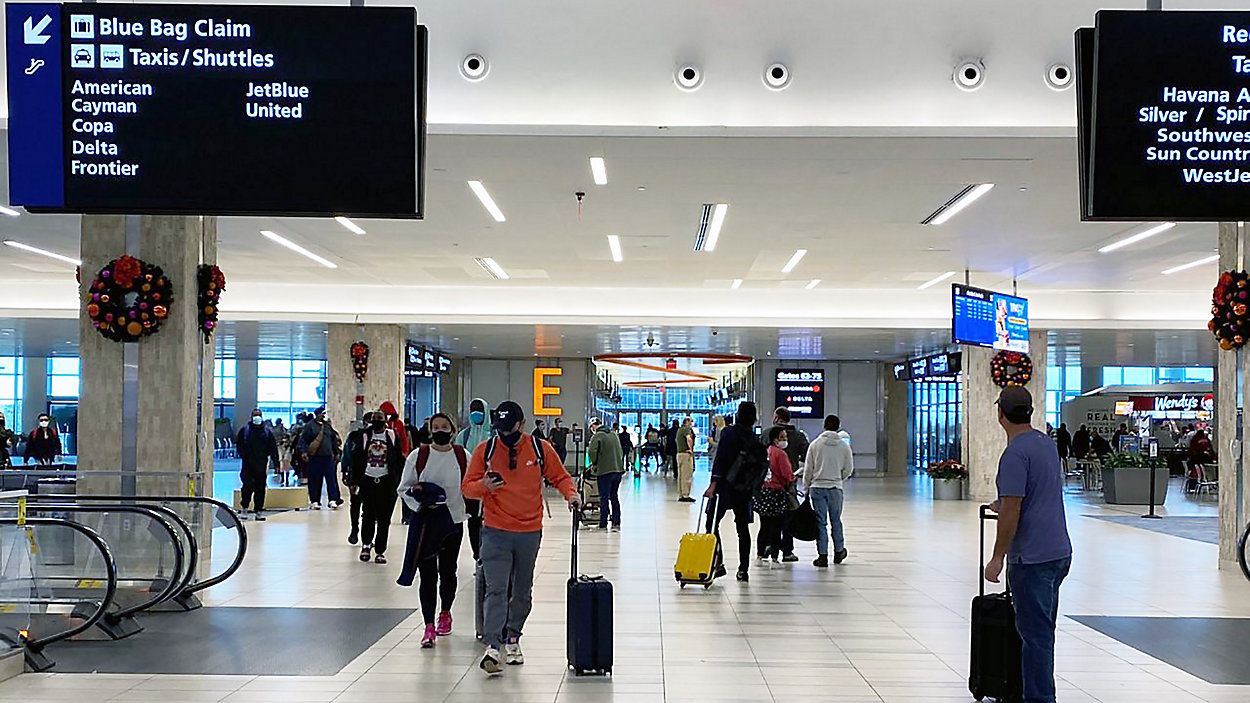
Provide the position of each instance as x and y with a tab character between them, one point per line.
212	282
360	360
128	299
1230	316
1011	369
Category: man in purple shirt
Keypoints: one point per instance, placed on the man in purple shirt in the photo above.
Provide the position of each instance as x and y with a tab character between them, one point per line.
1032	538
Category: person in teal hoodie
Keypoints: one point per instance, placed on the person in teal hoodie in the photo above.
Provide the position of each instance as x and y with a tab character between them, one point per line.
476	431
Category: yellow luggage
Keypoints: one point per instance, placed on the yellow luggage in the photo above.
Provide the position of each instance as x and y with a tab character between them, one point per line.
696	557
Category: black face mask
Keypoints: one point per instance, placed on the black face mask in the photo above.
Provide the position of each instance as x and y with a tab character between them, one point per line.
510	438
442	438
378	426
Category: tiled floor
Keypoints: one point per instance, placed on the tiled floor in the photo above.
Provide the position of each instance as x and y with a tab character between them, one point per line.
889	625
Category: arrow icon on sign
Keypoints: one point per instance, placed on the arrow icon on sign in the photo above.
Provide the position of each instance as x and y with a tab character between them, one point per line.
34	32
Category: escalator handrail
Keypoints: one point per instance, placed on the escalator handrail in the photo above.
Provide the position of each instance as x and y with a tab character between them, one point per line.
171	589
234	516
184	577
110	568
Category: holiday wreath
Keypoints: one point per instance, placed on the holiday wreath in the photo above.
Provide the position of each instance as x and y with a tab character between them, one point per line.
129	299
212	282
1230	319
360	360
1011	369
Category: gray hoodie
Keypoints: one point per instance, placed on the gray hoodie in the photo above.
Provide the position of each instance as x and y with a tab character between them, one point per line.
829	462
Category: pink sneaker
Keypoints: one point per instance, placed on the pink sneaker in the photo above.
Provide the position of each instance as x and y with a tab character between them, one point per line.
444	624
430	636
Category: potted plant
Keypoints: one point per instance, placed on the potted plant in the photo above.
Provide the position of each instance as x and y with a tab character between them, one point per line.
948	479
1126	479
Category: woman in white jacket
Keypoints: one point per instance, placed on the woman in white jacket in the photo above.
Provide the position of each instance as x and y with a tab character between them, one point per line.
829	463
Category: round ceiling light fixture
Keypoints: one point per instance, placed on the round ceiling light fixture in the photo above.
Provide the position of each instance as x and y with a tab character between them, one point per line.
777	76
474	67
1059	76
970	74
688	76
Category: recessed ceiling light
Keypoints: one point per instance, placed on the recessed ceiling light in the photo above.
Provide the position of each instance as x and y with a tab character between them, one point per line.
351	226
43	252
955	205
599	170
492	267
487	202
1131	239
710	222
813	283
736	284
273	236
614	243
794	260
1193	264
9	211
933	282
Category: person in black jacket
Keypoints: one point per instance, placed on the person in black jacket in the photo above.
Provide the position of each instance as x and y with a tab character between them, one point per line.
351	447
377	467
670	447
44	444
257	449
735	440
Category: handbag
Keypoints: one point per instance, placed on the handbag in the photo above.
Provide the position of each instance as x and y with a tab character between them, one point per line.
792	497
803	523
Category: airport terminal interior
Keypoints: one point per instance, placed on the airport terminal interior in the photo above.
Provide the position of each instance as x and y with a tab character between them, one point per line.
280	281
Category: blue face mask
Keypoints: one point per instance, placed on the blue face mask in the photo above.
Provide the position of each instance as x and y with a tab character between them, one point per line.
477	417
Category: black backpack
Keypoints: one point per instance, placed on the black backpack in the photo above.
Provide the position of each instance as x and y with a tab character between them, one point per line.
749	469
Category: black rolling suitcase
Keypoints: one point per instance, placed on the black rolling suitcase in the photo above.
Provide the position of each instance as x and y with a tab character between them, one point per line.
589	619
995	668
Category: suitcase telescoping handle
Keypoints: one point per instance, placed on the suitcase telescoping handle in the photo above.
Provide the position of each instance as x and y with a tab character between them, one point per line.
577	521
987	515
701	519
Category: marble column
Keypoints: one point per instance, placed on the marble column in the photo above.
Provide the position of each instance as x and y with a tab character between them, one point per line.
897	420
983	440
1232	512
245	385
385	380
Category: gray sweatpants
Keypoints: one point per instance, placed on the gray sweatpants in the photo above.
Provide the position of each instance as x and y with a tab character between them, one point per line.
507	557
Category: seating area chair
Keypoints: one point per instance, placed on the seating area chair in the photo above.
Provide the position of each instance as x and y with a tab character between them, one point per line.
1208	479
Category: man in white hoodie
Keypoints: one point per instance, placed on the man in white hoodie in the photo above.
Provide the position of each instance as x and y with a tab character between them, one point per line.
829	463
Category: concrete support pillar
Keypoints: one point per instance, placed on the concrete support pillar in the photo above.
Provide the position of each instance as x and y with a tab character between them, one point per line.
897	421
145	413
1091	378
34	391
1233	496
385	380
245	398
983	439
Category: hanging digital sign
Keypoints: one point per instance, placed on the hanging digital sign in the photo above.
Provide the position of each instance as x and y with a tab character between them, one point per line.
987	319
802	391
216	110
1169	117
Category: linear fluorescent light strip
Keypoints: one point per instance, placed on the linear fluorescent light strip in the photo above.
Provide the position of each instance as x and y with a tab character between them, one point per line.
736	284
1133	239
955	205
813	283
614	243
1193	264
274	237
487	202
351	226
9	211
43	252
492	267
935	281
599	170
794	260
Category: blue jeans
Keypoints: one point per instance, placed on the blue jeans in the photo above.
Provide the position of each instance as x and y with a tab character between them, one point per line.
1035	591
610	499
827	502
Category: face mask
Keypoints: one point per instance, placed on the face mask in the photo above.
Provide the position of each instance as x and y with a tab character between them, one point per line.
510	438
477	417
43	423
377	425
442	438
783	444
256	420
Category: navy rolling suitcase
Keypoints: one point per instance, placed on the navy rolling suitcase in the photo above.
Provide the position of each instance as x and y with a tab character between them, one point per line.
995	668
589	619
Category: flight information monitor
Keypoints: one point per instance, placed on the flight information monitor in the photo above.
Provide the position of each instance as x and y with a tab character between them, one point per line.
802	391
216	110
987	319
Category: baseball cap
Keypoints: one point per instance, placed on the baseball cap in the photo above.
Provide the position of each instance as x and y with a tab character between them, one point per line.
506	415
1016	402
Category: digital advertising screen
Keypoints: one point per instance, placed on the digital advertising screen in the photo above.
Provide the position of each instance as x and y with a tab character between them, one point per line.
802	391
1169	136
216	109
984	318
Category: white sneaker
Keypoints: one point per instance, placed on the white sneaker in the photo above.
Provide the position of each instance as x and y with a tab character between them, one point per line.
314	506
512	650
490	662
